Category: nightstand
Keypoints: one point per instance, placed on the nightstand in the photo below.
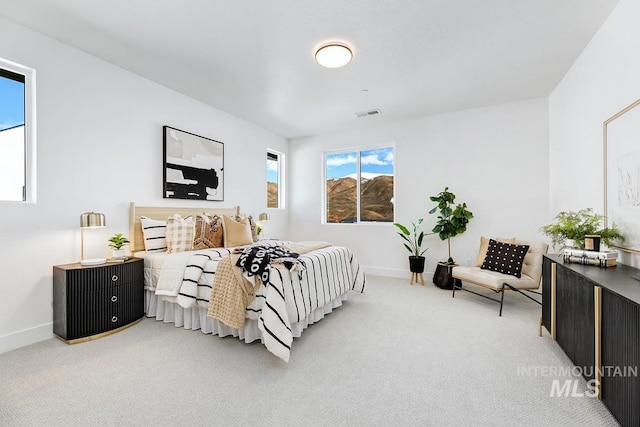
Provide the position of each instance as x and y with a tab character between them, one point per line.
90	302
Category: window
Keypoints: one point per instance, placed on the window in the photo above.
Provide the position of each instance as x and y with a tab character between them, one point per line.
274	179
359	185
17	154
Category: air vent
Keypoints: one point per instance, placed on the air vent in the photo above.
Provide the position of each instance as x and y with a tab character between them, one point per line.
368	113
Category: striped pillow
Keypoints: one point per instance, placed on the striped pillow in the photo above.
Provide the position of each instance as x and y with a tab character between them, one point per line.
154	232
180	233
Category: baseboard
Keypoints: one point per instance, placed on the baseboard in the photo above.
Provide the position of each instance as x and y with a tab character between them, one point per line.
26	337
393	272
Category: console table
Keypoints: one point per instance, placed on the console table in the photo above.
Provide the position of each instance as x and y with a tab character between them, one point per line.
594	315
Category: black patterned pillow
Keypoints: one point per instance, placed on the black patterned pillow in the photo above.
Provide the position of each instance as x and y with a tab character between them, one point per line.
505	258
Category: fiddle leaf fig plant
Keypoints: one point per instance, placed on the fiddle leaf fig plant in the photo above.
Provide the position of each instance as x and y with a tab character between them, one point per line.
413	240
117	241
452	218
570	225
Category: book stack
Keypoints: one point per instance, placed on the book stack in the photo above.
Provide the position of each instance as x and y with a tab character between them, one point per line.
599	258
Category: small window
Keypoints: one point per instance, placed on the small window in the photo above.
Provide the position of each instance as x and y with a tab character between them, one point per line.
360	185
274	179
17	152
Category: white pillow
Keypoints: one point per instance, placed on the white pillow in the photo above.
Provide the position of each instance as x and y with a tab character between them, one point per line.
180	233
154	232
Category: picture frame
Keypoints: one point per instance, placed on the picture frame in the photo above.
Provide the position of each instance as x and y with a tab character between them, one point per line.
193	166
621	153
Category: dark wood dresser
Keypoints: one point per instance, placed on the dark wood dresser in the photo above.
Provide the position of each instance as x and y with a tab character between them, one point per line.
594	315
93	301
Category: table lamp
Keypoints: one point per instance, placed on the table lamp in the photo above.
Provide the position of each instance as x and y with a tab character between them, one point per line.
90	220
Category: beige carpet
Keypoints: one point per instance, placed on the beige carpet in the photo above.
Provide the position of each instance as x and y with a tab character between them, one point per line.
397	355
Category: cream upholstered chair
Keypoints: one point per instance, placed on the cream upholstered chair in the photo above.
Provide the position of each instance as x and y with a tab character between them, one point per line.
499	282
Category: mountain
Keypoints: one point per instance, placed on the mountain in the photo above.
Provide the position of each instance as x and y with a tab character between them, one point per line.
272	195
376	194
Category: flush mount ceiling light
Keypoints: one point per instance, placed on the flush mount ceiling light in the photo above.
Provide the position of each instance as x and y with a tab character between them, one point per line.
334	55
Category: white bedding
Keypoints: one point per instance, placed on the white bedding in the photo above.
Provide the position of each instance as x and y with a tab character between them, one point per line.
280	310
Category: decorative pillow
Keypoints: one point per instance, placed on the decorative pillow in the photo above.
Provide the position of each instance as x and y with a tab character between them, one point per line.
154	232
505	258
180	233
484	245
209	232
236	233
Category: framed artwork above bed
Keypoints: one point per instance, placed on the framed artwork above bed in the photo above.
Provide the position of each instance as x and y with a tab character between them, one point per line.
193	166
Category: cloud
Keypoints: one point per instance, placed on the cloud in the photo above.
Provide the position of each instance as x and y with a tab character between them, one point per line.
378	157
340	160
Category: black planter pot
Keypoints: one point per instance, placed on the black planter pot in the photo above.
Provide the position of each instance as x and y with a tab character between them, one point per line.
442	277
416	264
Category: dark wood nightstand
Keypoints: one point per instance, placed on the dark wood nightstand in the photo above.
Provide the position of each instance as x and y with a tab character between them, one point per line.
90	302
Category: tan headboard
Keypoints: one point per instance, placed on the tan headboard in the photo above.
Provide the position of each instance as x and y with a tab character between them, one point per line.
162	213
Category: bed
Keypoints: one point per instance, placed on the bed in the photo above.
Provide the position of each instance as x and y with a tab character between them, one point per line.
198	289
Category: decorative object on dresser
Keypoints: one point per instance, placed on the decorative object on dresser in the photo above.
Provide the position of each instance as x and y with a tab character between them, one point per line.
193	166
575	226
90	302
413	243
90	220
116	243
601	259
594	316
452	221
622	175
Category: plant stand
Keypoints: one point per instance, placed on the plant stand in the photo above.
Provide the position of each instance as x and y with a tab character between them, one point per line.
417	276
442	277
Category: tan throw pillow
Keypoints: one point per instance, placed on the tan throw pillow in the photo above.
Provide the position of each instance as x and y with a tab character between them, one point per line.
209	232
236	233
180	233
484	245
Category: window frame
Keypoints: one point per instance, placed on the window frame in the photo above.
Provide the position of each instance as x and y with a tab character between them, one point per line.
358	151
281	175
29	195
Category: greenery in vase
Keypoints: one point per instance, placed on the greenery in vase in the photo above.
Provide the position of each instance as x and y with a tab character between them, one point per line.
413	240
452	218
570	225
117	241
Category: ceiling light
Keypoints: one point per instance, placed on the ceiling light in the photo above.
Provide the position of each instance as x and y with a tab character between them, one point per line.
334	55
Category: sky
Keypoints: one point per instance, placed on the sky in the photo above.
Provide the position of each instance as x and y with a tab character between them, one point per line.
379	161
11	103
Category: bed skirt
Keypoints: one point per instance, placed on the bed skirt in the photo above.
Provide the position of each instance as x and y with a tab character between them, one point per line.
196	318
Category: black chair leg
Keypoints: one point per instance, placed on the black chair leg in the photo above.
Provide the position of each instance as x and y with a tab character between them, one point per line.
501	299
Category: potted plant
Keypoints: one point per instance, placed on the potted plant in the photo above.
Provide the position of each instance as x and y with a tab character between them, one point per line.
413	243
452	221
574	226
116	242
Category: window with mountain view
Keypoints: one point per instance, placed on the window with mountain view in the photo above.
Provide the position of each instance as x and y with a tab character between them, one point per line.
359	185
273	179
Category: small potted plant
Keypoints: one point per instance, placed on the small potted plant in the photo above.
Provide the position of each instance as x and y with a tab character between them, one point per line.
569	229
116	242
413	243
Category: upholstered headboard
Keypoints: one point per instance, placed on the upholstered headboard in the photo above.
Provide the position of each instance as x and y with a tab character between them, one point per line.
162	213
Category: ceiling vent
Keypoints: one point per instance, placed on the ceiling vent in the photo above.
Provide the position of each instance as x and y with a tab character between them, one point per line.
368	113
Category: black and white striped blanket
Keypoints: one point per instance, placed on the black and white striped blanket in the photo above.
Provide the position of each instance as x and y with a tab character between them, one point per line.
288	297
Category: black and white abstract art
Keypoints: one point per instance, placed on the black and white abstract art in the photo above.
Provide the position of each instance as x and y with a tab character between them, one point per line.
193	166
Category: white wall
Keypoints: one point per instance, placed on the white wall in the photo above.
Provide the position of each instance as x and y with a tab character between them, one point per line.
99	147
495	159
604	80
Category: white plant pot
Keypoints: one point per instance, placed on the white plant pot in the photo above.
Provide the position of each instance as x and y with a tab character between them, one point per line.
118	253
